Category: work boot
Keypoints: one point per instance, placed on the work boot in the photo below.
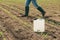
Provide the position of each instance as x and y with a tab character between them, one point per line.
26	11
42	11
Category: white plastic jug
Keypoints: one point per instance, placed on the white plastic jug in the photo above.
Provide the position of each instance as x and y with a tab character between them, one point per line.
39	25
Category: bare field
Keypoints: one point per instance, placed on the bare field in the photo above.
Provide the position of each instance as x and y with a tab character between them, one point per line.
15	27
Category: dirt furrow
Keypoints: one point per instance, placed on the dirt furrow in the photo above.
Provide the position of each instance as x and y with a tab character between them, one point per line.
51	21
3	28
48	20
21	33
16	13
23	23
51	32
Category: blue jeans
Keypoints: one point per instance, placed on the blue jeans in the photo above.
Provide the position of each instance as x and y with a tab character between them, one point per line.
33	1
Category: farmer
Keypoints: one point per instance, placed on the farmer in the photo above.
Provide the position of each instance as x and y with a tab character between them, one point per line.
35	5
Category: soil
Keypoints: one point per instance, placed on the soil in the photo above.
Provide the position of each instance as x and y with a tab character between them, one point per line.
15	27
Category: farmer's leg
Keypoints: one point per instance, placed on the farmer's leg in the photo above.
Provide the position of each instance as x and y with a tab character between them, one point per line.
27	3
35	4
38	7
27	8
